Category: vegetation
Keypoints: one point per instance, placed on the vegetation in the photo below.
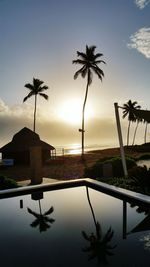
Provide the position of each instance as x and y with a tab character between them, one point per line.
144	157
7	183
96	171
89	62
36	89
128	110
138	179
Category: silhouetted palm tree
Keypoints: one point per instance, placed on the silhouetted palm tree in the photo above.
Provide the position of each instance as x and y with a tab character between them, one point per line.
42	220
36	89
128	110
137	124
99	244
89	62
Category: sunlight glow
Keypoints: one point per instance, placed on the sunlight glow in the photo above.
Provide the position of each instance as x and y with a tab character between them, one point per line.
70	111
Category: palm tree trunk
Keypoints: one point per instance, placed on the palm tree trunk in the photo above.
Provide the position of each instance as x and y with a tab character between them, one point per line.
88	197
34	113
145	133
135	133
83	113
128	133
40	207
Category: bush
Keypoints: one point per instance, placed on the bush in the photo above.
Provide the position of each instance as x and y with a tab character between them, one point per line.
96	171
144	157
140	176
7	183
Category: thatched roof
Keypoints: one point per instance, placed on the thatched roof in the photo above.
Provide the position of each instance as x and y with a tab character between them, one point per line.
23	140
143	114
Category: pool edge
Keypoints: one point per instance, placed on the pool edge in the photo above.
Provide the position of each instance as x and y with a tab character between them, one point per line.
118	192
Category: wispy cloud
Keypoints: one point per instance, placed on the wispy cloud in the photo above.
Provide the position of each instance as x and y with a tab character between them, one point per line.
142	3
141	41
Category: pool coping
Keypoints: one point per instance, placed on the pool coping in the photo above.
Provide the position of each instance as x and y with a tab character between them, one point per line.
112	190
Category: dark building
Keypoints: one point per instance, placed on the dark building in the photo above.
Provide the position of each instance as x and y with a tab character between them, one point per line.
19	148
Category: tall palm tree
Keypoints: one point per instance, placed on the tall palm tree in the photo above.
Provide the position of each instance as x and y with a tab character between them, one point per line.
36	89
137	124
99	244
128	110
89	62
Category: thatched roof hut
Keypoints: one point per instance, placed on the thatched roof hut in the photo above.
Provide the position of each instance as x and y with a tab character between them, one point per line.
19	148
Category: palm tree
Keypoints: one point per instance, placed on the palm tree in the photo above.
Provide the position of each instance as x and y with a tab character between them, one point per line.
36	89
128	110
89	62
42	220
99	245
137	124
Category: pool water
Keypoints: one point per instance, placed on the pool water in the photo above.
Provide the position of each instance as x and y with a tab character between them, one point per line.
73	227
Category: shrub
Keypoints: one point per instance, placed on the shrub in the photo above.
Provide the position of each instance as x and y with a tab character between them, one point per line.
97	169
7	183
144	157
140	176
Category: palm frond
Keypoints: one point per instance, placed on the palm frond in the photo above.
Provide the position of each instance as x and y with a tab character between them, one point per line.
79	72
90	49
37	83
49	211
98	55
35	223
33	213
86	237
84	71
99	61
43	88
29	86
44	95
98	71
28	96
82	55
79	61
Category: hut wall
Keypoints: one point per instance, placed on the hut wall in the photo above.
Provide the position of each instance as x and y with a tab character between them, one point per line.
20	158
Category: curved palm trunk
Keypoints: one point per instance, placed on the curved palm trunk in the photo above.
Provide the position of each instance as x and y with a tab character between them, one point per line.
135	133
88	197
34	113
83	113
128	133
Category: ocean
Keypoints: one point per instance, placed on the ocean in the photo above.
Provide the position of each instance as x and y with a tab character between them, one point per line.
73	149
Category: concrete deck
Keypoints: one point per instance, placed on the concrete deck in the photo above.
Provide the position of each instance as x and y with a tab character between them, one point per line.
45	181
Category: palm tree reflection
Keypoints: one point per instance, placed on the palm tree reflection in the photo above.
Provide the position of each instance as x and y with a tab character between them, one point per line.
99	245
42	220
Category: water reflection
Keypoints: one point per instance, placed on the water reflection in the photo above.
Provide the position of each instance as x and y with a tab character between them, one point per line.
99	245
143	226
42	220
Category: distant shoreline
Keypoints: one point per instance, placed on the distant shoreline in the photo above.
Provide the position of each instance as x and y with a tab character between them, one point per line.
68	167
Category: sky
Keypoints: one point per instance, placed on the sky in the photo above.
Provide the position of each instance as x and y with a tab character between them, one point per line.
40	38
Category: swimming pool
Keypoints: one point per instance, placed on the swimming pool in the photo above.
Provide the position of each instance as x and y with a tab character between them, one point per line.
73	226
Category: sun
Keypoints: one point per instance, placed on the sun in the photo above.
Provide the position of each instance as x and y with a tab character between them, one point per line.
70	111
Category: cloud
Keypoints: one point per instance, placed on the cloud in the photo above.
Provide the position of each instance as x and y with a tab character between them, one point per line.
51	130
141	41
142	3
